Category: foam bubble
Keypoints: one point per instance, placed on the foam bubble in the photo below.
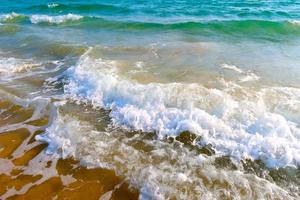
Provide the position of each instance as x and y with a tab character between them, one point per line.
35	19
12	65
243	126
295	22
250	76
9	17
160	170
52	5
247	76
232	67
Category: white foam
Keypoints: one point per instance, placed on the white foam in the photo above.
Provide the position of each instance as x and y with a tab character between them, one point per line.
10	16
247	76
35	19
52	5
163	172
139	64
12	65
241	126
231	67
295	22
250	76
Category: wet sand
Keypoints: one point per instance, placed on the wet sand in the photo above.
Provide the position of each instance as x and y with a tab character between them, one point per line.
26	172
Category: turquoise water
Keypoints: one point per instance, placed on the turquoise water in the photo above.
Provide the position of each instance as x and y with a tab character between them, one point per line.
266	19
228	72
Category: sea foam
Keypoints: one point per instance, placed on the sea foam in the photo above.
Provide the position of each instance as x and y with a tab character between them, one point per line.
232	67
52	5
159	169
12	65
9	17
35	19
247	75
295	22
247	126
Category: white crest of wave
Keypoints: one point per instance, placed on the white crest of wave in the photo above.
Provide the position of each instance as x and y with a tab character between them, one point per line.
295	22
231	67
249	125
12	65
247	76
52	5
35	19
10	16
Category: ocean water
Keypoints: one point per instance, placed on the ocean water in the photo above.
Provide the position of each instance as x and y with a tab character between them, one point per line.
182	99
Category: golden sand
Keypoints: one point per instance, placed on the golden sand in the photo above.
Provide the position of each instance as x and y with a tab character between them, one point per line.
24	174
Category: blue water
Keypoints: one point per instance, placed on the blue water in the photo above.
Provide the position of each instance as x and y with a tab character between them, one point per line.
163	10
204	17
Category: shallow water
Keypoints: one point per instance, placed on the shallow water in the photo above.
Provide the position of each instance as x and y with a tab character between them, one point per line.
28	173
173	99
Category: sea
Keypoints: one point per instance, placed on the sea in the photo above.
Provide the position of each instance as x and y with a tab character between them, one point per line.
134	99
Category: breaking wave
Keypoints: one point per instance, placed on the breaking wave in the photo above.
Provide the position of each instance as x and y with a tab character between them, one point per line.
249	28
248	126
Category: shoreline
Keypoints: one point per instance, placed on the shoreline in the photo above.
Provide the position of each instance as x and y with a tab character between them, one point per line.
26	172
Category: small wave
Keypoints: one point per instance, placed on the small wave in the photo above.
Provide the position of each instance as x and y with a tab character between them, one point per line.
11	17
35	19
231	67
247	76
53	5
246	28
295	22
13	65
269	30
250	76
233	27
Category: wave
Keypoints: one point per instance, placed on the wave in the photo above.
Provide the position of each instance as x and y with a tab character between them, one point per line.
230	27
35	19
296	22
52	5
247	76
243	127
159	169
232	67
13	65
249	28
12	17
